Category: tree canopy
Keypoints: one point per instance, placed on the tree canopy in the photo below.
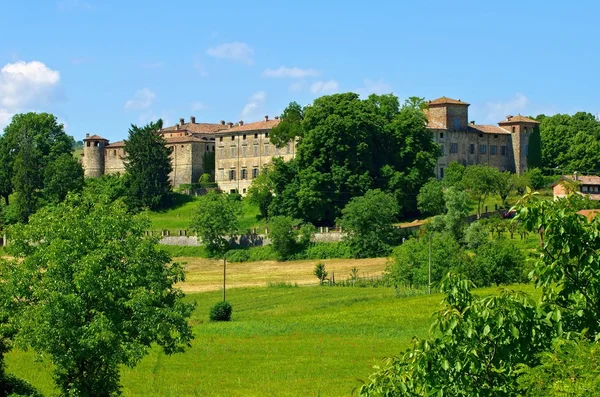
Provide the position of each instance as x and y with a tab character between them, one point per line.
216	221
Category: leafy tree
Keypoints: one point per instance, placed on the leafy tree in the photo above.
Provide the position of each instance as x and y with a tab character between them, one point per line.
106	189
283	177
504	185
497	262
26	179
205	180
368	224
147	167
457	208
47	140
62	176
260	192
320	272
534	153
430	200
480	181
535	178
476	235
290	126
208	164
453	174
288	236
216	220
474	347
94	293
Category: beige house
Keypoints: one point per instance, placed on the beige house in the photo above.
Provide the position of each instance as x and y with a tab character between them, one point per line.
586	185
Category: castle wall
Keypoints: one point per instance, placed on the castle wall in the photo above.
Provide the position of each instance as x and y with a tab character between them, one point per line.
187	161
520	142
114	160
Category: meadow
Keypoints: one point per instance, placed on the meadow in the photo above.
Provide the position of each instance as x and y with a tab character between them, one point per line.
283	340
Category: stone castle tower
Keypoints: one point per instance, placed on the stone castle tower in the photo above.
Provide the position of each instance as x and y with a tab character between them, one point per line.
93	155
521	129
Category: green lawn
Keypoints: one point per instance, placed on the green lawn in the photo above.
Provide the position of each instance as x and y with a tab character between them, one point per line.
305	341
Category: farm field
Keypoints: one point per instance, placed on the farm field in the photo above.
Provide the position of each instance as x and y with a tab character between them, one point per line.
292	341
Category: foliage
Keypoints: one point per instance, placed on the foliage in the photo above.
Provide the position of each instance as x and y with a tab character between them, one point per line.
367	222
215	221
480	181
430	200
93	293
497	262
260	192
290	126
534	151
47	140
349	146
107	188
457	208
320	272
473	348
410	261
206	180
535	178
453	174
62	176
147	167
26	179
571	368
288	236
12	386
208	164
504	185
221	311
476	235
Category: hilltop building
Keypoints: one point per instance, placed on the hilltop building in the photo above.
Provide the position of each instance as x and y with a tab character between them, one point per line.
586	185
242	150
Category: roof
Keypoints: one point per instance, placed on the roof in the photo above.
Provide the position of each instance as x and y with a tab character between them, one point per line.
445	100
518	119
116	144
199	128
186	139
94	138
259	125
487	129
582	179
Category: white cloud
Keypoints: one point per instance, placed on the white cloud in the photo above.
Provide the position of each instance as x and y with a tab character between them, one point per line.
144	99
198	106
496	111
374	87
254	105
293	72
234	51
25	85
324	87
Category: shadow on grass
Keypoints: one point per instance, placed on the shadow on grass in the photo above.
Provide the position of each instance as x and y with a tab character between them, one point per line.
176	200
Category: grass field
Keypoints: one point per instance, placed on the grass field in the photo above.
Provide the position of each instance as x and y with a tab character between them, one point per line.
308	341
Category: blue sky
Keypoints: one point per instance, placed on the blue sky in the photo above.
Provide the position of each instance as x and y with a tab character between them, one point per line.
102	65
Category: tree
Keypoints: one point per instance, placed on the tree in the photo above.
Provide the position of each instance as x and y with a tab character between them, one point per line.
106	189
368	224
476	235
504	185
260	193
497	262
288	236
457	208
208	164
216	220
474	347
47	139
26	179
534	151
480	181
535	178
62	176
320	272
94	293
430	200
453	174
290	126
147	167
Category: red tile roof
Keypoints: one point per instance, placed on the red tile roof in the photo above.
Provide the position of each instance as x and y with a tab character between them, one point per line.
487	129
199	128
116	144
518	119
259	125
445	100
186	139
95	138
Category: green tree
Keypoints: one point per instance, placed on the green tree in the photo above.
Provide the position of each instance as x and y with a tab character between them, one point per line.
94	293
47	139
260	192
320	272
216	221
457	208
208	164
106	189
288	236
534	153
504	185
453	174
430	200
62	176
497	262
535	178
367	222
476	235
147	167
480	181
290	126
26	179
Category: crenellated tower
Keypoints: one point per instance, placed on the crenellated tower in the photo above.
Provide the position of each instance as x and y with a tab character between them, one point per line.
93	155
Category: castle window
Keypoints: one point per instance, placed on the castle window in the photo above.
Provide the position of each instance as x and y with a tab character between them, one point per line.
220	139
514	129
441	135
454	148
482	149
255	136
96	143
244	173
254	173
266	134
244	137
243	152
495	136
456	123
233	151
213	148
232	175
471	148
443	149
584	188
441	172
493	149
266	151
233	137
503	150
255	150
221	174
526	130
88	144
182	146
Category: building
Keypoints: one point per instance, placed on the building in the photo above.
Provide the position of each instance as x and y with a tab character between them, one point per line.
242	150
504	146
585	185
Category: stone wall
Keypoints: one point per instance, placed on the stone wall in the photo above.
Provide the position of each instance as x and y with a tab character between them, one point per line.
114	160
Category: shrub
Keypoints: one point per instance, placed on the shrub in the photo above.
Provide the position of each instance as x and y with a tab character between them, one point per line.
14	387
221	312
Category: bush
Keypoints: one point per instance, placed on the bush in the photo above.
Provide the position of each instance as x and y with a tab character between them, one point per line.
12	386
325	251
497	262
221	312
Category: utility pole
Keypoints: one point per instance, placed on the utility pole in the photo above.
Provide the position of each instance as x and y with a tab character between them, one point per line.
224	273
429	285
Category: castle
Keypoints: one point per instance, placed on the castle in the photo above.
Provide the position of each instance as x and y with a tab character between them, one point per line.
242	150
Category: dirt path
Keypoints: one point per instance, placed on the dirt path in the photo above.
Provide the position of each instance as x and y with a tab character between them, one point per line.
207	274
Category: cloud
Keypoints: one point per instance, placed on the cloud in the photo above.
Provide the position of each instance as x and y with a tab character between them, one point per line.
25	85
200	68
293	72
198	106
235	51
374	87
144	99
495	111
324	87
254	104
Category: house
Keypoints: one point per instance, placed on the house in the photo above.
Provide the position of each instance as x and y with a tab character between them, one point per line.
586	185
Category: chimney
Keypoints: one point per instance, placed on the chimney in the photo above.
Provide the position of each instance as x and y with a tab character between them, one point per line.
193	120
87	134
176	126
509	117
472	122
576	176
276	117
222	122
182	121
266	118
230	124
241	122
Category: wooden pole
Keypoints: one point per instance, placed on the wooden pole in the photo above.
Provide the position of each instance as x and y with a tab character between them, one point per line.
429	286
224	273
